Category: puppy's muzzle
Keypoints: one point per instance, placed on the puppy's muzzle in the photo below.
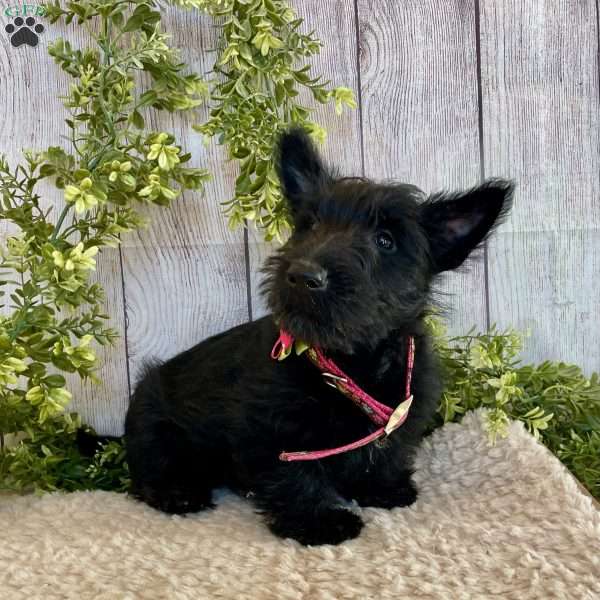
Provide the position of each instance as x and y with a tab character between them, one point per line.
307	276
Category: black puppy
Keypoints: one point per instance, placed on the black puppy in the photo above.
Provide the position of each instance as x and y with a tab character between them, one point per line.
353	281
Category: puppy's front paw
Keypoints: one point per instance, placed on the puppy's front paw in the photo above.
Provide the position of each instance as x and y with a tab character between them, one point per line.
329	526
404	494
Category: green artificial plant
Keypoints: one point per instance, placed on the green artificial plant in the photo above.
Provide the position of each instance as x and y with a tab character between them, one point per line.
110	167
256	95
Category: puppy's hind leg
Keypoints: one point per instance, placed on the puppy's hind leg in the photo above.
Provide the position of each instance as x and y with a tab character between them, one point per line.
169	471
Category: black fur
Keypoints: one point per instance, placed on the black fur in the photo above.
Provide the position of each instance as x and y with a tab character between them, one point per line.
221	412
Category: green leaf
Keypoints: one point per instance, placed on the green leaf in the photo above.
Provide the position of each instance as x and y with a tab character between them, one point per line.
137	120
117	19
46	451
54	381
148	98
47	170
142	15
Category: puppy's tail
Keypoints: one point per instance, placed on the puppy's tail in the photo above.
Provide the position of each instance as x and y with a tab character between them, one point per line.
88	443
148	386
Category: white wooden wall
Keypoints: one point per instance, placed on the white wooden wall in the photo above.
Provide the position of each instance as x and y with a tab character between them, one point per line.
449	92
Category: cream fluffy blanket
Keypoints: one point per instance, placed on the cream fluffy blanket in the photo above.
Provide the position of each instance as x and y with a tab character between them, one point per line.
505	521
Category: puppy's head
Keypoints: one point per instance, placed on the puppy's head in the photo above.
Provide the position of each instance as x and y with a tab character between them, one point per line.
362	255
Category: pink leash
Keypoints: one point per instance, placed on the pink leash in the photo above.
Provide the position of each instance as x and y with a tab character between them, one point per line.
388	418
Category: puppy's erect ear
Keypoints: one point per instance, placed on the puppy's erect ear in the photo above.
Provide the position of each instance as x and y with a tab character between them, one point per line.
299	166
457	223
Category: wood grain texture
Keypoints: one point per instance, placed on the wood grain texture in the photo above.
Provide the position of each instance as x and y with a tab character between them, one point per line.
337	62
539	62
103	404
33	117
420	114
185	275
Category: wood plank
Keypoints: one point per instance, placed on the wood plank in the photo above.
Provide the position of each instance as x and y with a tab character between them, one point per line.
541	126
33	117
185	275
545	283
420	114
103	405
335	27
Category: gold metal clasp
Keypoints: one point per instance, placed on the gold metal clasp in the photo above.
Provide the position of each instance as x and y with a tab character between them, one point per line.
398	416
335	378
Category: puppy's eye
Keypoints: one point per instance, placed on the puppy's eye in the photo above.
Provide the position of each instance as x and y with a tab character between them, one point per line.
385	241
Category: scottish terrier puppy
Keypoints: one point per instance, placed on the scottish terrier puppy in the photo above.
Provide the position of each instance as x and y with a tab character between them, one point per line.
304	433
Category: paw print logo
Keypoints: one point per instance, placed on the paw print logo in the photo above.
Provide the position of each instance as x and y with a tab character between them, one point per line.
24	31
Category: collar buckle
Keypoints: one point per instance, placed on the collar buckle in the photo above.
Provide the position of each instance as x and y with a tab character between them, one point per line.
398	416
332	380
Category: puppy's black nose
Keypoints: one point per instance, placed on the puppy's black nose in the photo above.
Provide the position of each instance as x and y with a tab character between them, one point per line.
307	275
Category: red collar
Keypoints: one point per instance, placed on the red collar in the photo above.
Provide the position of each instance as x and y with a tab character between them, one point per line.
387	418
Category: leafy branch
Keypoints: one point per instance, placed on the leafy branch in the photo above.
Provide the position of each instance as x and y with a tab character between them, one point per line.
260	74
113	166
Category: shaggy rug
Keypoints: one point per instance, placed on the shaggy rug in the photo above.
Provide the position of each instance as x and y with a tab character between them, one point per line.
506	521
